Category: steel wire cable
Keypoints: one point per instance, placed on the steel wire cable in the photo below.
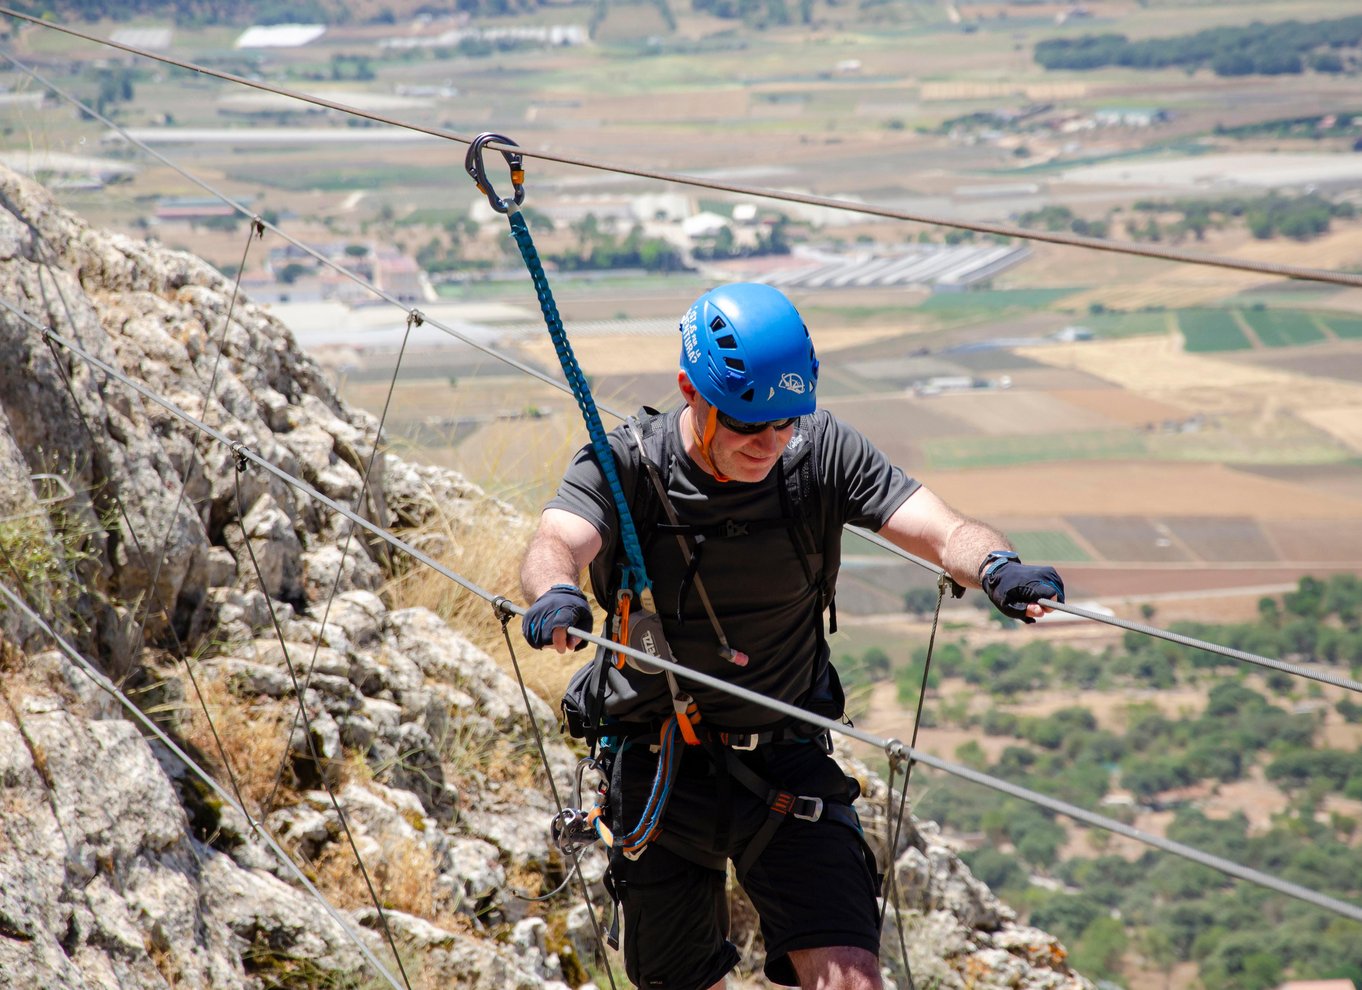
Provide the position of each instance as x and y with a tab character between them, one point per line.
1007	230
131	533
155	597
414	318
300	693
504	615
893	748
1000	229
312	252
1322	676
208	780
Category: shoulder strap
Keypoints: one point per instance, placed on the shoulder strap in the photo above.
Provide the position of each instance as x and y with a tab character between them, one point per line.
688	553
805	494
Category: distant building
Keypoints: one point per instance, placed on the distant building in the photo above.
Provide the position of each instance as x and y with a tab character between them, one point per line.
1131	117
188	209
400	276
1070	334
279	35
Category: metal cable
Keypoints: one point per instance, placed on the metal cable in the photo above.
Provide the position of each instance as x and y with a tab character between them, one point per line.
999	229
209	781
1323	676
414	318
307	727
131	532
307	249
504	616
894	748
1326	678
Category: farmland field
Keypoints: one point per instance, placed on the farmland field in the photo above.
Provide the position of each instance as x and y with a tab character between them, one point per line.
1347	327
1215	538
972	452
1283	327
1127	324
1050	544
1129	538
1210	330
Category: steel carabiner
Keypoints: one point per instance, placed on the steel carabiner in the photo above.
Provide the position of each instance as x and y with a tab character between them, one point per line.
472	163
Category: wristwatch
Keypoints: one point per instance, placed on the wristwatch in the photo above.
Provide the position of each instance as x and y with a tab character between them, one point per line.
994	560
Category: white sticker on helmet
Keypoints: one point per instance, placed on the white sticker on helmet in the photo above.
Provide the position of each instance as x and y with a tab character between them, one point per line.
791	382
689	340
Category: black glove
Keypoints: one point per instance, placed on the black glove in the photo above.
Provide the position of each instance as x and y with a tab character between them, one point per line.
1012	585
562	605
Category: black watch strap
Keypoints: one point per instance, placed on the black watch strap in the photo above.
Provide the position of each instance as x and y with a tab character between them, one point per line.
994	560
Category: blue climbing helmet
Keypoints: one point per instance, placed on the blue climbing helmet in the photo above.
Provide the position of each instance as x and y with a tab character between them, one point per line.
746	349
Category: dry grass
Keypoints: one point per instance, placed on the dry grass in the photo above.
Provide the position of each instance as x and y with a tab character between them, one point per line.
404	880
254	736
485	545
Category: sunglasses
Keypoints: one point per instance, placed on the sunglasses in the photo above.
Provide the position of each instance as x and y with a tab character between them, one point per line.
751	429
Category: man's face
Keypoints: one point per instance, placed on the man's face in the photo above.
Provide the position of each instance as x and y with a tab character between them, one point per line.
739	456
750	457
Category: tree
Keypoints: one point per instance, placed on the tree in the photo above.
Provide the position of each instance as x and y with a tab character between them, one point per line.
920	601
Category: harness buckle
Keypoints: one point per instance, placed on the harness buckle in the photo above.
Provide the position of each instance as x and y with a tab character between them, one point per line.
812	808
472	163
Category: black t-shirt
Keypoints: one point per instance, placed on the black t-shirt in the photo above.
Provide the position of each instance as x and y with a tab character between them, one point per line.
756	583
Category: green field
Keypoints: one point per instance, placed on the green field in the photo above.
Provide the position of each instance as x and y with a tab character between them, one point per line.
1209	330
1284	327
1048	544
1347	327
972	452
987	302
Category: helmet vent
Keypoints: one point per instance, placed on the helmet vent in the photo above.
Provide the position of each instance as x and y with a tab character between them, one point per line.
737	364
717	323
728	342
747	396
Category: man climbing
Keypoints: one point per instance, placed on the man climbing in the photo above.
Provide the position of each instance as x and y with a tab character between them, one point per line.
739	496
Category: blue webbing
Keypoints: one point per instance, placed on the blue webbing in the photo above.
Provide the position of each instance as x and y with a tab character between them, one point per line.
635	574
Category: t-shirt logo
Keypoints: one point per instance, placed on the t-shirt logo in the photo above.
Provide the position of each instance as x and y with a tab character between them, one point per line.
791	382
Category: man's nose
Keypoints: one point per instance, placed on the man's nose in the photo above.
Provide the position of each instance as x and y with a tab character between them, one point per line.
772	439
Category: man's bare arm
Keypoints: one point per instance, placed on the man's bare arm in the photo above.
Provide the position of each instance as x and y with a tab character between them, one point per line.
561	547
926	526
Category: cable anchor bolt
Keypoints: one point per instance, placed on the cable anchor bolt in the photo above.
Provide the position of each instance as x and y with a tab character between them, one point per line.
238	450
472	163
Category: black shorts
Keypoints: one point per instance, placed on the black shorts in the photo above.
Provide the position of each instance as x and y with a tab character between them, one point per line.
814	884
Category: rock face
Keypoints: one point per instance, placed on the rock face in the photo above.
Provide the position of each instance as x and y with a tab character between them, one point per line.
138	539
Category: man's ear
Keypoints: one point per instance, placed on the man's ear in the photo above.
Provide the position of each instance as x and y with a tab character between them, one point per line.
688	391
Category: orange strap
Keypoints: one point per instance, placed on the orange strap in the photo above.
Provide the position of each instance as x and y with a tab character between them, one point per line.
687	718
705	439
622	624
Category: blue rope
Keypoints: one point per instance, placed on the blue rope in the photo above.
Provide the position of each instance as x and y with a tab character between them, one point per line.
635	574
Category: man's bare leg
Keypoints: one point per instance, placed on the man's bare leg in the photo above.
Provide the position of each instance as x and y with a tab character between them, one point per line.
837	968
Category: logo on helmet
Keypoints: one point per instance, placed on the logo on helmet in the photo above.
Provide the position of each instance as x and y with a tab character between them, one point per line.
689	341
791	382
